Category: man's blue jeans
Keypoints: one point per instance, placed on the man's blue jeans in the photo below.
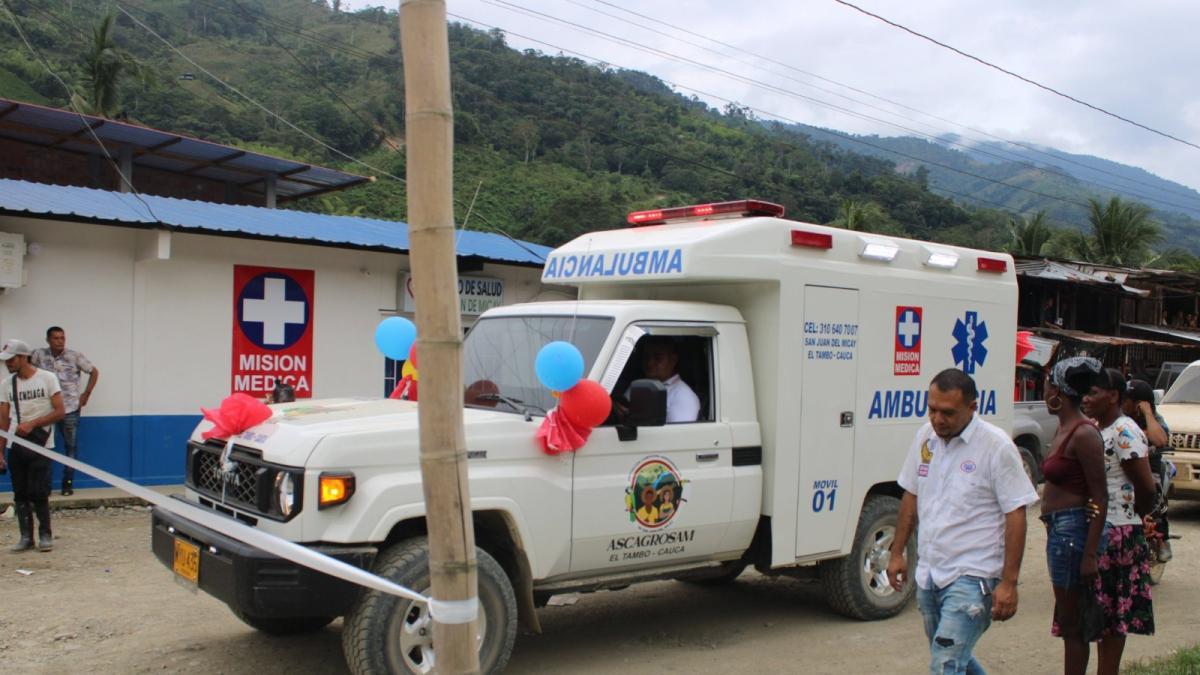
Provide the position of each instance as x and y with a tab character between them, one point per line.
69	425
955	617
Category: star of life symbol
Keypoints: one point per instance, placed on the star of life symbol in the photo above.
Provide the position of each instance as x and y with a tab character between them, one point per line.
908	329
274	311
969	334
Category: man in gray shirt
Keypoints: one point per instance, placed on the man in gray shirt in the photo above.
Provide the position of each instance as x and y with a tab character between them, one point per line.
68	365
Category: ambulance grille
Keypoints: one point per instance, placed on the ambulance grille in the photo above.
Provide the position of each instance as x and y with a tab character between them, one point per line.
1185	441
248	487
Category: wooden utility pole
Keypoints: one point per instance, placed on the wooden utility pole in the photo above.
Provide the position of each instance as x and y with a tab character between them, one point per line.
429	135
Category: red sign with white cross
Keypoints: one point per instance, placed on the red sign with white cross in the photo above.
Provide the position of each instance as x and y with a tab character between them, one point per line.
272	329
908	341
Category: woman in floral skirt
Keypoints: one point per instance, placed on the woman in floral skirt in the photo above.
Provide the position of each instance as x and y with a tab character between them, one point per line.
1123	585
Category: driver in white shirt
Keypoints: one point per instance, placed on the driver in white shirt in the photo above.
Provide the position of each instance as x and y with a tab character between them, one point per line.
660	362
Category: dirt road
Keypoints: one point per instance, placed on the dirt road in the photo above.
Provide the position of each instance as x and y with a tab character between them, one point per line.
100	603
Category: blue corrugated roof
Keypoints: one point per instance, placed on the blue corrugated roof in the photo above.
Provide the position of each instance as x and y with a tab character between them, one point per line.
40	200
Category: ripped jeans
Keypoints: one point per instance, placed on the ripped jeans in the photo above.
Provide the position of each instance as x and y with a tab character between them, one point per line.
955	617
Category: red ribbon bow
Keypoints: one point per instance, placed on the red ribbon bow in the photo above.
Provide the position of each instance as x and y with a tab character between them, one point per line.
237	413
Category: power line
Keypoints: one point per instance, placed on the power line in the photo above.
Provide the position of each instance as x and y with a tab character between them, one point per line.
317	78
775	115
1016	75
71	103
1053	155
304	133
768	86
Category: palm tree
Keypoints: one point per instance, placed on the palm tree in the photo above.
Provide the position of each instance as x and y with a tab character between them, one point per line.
859	216
104	66
1029	235
1121	233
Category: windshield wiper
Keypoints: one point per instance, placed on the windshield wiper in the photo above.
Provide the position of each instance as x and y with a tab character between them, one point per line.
514	403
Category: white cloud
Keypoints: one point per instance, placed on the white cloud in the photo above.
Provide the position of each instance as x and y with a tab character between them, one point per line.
1134	59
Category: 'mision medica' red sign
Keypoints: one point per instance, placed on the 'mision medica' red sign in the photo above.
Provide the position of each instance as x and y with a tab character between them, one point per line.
272	329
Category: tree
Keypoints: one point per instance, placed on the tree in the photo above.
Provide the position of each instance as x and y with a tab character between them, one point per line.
859	216
104	66
1121	233
1029	236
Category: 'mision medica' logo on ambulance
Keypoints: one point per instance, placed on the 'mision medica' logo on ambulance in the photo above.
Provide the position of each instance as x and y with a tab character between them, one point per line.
272	329
908	341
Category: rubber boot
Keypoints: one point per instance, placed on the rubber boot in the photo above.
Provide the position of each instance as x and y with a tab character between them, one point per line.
45	538
68	487
25	522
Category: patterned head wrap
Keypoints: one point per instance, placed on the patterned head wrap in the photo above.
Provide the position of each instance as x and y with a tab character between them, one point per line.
1070	367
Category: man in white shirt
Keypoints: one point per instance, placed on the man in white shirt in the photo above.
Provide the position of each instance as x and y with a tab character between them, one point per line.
964	483
33	397
660	362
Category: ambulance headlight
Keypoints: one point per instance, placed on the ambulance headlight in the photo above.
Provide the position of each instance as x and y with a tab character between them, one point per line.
285	493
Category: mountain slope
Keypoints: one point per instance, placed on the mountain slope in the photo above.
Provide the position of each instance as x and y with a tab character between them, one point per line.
546	147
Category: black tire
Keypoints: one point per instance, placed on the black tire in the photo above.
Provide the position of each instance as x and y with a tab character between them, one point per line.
1032	470
849	590
371	636
288	625
728	574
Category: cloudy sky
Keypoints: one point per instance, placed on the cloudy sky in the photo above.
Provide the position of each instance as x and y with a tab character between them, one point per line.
1136	59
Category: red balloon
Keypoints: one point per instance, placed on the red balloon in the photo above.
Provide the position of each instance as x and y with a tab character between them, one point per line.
586	404
412	355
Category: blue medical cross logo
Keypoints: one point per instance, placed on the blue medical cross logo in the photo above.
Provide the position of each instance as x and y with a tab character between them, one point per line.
969	334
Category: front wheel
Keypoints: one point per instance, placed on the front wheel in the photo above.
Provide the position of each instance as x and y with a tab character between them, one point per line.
387	634
857	585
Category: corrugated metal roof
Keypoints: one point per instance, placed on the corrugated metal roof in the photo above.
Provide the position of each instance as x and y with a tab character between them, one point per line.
1082	274
101	206
1177	333
166	151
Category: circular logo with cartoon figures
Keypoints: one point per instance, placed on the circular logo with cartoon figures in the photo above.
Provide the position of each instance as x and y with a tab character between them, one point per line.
654	494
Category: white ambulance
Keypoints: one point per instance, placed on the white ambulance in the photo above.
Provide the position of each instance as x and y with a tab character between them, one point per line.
809	349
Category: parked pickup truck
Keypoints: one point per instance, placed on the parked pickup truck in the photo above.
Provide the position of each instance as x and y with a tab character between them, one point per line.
1180	408
1033	431
809	348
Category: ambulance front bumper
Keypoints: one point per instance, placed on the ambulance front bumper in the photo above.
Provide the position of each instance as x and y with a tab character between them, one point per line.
252	581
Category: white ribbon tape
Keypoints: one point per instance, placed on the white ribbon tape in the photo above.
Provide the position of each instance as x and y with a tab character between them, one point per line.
283	548
454	611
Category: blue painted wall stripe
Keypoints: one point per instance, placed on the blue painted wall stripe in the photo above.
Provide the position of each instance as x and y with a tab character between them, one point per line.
146	449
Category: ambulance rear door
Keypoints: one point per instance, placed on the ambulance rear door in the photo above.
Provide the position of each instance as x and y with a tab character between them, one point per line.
828	388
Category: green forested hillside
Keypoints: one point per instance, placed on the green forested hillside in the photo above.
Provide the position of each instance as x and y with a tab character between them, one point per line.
554	146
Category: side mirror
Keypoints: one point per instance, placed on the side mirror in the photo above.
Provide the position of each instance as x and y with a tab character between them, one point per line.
1158	396
647	404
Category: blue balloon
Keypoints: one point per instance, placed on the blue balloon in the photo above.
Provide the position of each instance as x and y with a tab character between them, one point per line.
559	366
395	336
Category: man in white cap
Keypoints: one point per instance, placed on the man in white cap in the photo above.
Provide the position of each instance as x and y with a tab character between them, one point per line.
34	398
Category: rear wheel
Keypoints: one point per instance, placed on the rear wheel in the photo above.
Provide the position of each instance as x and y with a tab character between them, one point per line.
387	634
857	585
1031	466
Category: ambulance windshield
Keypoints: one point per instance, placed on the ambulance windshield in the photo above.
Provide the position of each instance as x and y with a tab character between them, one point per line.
499	354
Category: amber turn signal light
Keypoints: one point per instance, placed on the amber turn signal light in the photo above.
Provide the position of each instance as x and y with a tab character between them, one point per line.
336	488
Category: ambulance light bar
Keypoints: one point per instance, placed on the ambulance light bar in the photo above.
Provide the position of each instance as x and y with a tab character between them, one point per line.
821	240
744	207
941	258
877	249
993	265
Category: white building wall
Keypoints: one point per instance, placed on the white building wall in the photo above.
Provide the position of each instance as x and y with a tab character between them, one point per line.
160	330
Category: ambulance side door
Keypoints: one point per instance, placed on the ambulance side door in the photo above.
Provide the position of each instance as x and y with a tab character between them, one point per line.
665	497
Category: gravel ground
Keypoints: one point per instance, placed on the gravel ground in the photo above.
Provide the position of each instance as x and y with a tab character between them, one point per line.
101	603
